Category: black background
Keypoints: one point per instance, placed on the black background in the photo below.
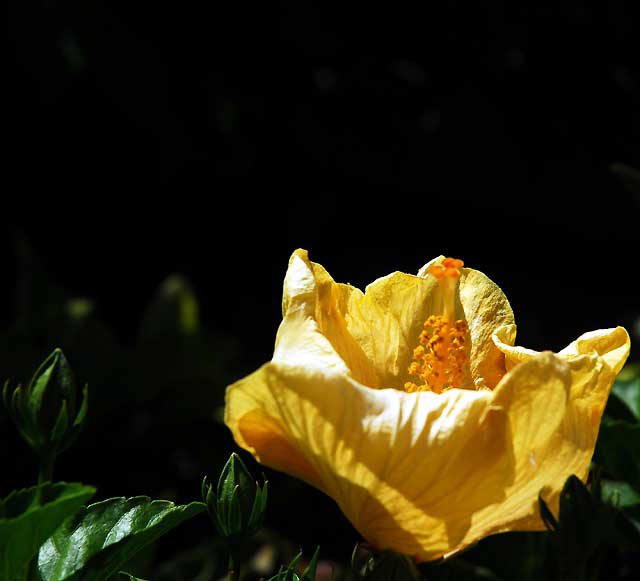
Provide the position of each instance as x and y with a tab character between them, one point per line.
212	139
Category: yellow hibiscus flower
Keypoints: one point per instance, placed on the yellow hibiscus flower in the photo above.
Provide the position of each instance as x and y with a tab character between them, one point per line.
409	405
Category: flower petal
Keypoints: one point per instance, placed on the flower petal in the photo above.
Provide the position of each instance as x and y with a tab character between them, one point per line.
406	469
610	347
387	322
544	463
485	309
504	338
535	396
315	321
374	333
611	344
423	474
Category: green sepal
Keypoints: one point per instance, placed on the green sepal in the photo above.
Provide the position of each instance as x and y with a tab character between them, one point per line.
577	509
60	427
256	519
208	496
73	432
29	516
546	515
575	538
586	525
209	499
53	375
97	541
234	513
15	404
235	480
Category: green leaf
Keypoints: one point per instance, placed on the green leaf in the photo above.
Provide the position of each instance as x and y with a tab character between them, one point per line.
618	451
29	516
629	393
101	538
617	409
620	494
288	573
128	577
309	574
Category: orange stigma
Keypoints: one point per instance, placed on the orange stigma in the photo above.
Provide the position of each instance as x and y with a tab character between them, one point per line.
439	359
450	268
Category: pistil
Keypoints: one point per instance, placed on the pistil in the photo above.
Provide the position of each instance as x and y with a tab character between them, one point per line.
439	358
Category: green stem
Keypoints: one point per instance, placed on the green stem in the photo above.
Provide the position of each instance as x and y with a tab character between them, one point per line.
233	573
46	467
45	472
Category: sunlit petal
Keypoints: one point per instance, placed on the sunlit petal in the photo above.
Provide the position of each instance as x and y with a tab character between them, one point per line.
423	473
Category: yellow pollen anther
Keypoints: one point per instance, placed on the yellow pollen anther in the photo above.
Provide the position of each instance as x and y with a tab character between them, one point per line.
439	359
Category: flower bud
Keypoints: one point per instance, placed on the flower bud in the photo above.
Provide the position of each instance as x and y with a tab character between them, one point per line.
237	507
46	412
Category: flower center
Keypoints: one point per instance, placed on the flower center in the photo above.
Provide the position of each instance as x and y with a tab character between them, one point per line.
439	359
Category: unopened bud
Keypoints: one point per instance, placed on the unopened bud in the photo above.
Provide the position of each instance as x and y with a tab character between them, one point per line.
238	505
46	411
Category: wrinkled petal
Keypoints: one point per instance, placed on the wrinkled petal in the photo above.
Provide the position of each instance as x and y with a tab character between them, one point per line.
536	397
612	345
485	308
420	473
594	359
338	436
375	332
504	338
314	328
610	348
